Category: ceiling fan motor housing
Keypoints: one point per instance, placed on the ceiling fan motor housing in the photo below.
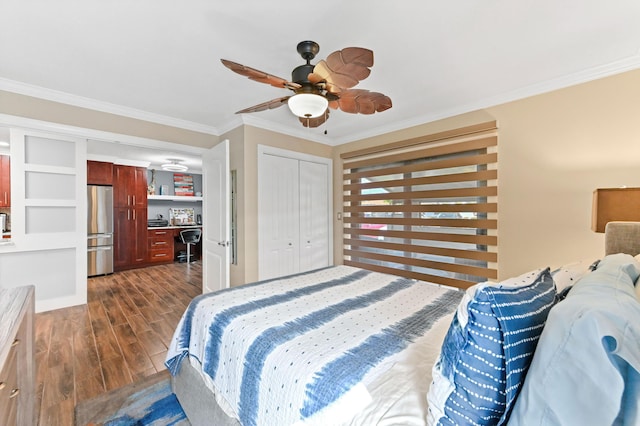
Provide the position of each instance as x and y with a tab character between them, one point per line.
308	50
300	75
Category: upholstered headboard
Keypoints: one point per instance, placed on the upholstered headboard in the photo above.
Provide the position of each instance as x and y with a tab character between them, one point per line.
622	237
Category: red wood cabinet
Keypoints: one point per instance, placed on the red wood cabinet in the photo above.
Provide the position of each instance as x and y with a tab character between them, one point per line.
160	245
165	245
99	173
5	181
130	238
130	217
129	186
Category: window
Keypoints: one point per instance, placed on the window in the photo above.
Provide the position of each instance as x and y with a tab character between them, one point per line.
425	209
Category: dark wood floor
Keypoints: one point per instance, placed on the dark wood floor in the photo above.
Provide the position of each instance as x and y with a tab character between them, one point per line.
120	336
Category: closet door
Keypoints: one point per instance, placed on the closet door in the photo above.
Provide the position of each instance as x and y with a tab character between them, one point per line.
278	187
314	216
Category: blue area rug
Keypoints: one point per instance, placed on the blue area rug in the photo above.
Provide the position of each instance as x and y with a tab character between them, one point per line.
148	402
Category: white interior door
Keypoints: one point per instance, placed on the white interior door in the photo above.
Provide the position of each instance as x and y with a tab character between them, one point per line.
314	216
278	193
216	218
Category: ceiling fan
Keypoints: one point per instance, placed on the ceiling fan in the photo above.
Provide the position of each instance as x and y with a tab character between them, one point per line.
317	87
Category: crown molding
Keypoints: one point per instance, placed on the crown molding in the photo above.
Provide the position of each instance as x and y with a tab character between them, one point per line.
236	121
82	102
302	133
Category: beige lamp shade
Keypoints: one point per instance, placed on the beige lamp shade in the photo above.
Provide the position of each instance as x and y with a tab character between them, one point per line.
614	205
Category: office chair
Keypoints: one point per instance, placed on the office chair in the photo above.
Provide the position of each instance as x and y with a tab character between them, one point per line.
190	237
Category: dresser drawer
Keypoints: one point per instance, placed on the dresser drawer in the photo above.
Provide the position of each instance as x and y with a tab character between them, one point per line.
17	366
160	234
161	255
9	389
159	243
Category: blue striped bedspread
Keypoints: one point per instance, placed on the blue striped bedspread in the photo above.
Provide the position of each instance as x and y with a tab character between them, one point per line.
281	351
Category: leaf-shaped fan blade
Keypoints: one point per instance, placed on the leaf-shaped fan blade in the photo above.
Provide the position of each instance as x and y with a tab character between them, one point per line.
259	76
274	103
360	101
343	69
314	122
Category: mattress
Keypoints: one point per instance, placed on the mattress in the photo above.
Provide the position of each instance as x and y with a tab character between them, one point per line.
339	345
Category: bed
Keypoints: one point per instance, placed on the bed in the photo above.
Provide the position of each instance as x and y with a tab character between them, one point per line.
345	346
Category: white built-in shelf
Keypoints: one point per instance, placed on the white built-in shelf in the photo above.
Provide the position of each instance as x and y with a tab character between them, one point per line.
173	198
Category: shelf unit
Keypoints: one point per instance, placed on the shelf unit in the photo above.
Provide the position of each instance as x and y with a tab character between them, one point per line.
173	198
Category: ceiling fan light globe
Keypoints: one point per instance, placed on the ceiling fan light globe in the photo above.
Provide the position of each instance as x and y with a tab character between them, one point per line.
308	105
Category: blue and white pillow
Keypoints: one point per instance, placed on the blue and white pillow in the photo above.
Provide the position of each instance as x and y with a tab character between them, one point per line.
487	350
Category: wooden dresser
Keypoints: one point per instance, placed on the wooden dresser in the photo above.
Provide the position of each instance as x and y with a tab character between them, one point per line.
160	245
17	364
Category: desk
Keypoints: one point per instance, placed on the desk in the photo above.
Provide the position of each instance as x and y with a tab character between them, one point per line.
163	246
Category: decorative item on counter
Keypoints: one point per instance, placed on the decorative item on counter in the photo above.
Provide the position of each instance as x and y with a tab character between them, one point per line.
183	184
182	217
151	189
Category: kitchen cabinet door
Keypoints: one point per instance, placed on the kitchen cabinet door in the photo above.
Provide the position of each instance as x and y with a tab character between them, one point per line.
129	186
139	188
121	238
130	238
99	173
5	181
139	245
122	178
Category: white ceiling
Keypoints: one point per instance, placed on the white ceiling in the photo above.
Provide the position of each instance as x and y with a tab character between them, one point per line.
159	60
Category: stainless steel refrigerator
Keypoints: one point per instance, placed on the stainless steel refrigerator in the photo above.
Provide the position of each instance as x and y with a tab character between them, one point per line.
99	230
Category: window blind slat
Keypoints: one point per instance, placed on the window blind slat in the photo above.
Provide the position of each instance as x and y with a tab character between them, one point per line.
427	180
412	274
419	208
449	223
410	248
489	240
474	160
483	191
427	264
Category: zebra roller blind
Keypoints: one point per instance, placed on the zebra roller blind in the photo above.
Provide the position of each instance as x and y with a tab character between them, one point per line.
425	208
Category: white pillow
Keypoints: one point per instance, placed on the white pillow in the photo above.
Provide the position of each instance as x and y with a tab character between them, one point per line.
567	275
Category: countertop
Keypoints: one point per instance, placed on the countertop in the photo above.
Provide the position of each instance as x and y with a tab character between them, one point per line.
174	227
